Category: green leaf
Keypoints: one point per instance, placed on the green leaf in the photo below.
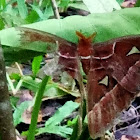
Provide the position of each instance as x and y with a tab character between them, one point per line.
30	83
38	11
62	113
63	131
103	24
48	12
73	122
107	25
19	111
36	65
22	8
32	17
51	126
15	76
101	6
52	89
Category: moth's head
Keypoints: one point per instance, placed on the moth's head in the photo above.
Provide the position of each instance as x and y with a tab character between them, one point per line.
84	46
84	39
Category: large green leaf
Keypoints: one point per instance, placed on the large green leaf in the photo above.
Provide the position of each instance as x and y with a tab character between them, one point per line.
107	25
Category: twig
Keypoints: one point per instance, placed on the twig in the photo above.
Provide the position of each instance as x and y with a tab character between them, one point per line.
55	9
20	71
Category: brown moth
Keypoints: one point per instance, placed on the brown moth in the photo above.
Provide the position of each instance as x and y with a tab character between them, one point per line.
112	60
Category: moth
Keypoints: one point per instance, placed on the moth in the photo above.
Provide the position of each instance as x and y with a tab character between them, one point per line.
113	60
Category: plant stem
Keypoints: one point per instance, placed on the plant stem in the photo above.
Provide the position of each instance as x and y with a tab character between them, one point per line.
83	92
55	9
36	108
7	130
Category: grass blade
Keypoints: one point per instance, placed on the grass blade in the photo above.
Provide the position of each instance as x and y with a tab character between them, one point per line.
22	8
36	65
36	108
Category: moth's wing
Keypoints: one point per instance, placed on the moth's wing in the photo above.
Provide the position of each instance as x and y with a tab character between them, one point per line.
118	64
28	35
65	52
112	59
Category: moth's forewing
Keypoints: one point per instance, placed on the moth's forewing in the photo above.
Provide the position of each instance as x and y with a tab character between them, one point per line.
105	102
64	51
68	59
64	60
32	35
40	41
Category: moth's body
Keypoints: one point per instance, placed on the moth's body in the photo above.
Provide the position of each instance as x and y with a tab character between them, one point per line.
108	59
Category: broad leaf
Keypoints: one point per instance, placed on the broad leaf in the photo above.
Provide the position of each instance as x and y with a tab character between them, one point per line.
103	24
